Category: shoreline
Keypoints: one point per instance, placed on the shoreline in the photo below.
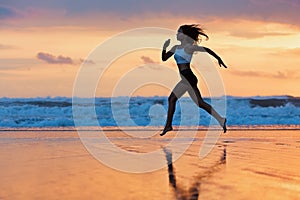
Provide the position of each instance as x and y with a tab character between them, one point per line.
155	128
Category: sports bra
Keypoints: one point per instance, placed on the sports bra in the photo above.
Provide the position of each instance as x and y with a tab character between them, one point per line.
181	56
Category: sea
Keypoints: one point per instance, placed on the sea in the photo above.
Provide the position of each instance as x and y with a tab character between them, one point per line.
140	111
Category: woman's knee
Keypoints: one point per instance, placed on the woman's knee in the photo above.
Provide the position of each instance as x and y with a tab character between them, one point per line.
202	104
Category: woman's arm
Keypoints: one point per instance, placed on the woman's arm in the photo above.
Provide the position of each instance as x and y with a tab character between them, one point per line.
211	52
166	55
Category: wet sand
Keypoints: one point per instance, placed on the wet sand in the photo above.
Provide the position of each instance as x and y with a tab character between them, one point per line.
244	164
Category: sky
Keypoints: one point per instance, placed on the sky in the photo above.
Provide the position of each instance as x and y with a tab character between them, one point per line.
45	44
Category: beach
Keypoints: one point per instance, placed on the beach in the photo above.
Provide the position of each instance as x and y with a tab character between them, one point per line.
243	164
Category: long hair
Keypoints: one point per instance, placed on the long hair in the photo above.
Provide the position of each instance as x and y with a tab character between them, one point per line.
194	32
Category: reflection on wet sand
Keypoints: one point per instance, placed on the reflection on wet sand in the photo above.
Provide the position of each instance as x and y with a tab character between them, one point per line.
194	190
260	164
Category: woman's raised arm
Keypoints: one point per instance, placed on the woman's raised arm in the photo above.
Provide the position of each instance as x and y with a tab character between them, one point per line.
166	55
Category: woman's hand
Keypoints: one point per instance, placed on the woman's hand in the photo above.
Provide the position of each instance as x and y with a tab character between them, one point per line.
166	44
220	61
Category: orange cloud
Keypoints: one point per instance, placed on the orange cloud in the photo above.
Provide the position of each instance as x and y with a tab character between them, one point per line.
147	60
4	46
277	75
252	35
287	52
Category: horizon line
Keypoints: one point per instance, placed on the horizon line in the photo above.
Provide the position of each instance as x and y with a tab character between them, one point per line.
150	96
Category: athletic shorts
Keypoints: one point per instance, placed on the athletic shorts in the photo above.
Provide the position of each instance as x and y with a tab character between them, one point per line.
188	76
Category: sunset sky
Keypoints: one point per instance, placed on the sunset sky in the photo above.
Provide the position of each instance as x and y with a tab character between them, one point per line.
44	43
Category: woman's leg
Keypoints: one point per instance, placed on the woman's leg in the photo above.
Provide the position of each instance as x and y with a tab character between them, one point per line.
177	92
196	96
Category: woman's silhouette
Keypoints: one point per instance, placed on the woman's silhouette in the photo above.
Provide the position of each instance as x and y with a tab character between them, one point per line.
188	36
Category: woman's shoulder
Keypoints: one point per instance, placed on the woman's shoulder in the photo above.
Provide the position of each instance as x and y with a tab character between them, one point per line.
190	48
173	49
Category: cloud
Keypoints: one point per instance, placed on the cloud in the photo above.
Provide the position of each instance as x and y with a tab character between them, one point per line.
294	51
89	62
150	63
147	60
51	59
254	35
4	46
253	29
278	75
283	11
287	52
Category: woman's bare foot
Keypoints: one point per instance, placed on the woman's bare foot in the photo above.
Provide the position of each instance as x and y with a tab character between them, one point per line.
166	129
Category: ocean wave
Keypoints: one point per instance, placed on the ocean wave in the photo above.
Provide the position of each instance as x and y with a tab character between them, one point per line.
275	101
146	111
